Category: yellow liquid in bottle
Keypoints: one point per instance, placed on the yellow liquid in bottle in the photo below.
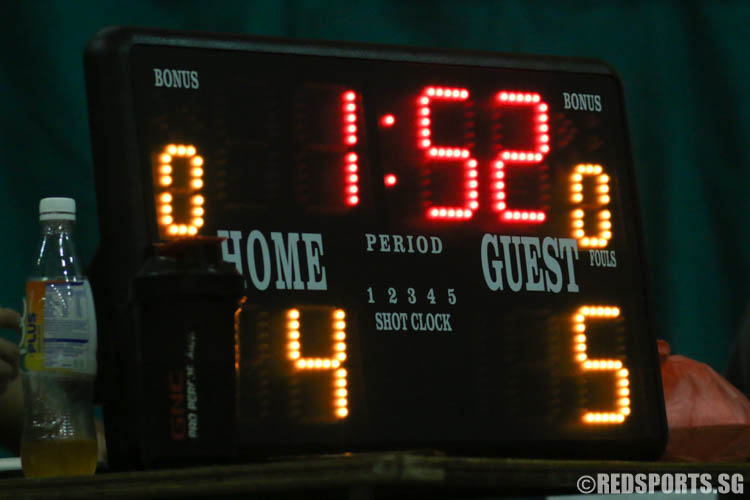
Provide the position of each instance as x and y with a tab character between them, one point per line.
67	457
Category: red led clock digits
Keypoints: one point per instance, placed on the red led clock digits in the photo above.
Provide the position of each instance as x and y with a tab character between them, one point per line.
622	382
165	207
351	167
447	153
520	157
294	347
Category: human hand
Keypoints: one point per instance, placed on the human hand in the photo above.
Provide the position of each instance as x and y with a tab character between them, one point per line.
9	353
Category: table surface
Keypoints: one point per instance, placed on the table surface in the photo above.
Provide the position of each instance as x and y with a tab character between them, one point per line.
355	476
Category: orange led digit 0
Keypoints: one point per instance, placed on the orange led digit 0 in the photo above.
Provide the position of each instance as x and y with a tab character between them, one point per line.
165	198
622	382
334	363
602	200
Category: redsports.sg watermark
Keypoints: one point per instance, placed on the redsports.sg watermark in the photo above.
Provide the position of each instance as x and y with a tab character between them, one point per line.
678	483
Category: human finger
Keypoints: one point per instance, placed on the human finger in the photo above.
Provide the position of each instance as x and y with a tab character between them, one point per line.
10	319
7	373
10	355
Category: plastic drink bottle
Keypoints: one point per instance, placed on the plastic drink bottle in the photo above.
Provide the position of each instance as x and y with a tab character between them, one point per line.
58	354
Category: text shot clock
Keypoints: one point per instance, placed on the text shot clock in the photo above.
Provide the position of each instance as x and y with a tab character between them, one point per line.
440	250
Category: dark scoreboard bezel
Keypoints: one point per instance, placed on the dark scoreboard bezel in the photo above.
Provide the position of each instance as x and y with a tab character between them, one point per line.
118	161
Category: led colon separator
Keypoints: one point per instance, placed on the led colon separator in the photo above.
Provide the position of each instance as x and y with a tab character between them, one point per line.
387	120
602	200
351	165
622	382
447	153
521	157
294	347
164	207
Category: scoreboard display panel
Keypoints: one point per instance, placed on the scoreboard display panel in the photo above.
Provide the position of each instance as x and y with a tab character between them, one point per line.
440	250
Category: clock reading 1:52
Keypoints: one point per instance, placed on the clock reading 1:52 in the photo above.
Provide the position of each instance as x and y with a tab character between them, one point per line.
473	187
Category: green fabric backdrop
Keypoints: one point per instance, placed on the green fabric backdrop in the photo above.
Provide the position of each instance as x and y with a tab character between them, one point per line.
683	65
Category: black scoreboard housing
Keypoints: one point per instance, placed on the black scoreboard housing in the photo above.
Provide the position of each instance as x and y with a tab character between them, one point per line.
128	229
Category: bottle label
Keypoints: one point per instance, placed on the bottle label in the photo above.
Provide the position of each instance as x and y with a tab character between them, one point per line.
59	327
